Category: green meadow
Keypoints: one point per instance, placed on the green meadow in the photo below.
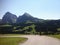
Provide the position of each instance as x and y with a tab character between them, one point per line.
11	40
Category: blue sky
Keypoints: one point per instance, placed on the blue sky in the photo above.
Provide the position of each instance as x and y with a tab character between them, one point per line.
45	9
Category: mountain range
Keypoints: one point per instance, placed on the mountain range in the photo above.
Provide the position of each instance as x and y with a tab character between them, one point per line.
25	18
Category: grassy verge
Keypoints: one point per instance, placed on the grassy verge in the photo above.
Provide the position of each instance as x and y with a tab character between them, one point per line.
11	34
11	40
55	36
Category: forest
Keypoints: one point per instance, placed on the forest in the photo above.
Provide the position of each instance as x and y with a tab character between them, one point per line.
42	28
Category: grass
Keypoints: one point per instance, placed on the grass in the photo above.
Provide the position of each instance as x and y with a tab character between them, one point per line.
11	40
55	36
11	34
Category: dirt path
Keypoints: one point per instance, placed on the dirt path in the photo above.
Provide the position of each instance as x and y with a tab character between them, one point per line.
38	40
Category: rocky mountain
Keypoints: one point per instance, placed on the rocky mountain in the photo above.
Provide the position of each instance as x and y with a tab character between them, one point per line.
9	18
25	18
28	18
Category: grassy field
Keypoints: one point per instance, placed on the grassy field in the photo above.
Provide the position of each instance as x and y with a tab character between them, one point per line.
55	36
9	34
11	40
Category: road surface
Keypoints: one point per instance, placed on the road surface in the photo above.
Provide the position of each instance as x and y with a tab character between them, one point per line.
38	40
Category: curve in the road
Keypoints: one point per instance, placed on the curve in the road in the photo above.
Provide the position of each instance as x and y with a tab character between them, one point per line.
40	40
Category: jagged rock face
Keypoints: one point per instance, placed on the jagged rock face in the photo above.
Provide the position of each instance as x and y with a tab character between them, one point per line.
27	17
9	18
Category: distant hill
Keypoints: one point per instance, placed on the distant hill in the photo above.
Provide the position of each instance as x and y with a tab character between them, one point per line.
9	18
28	18
25	18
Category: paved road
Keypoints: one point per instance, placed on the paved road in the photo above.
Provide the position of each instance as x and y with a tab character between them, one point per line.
38	40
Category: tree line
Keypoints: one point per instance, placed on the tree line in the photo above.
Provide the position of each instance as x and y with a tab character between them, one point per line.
42	28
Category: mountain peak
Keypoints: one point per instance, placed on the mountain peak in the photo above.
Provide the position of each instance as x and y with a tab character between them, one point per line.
8	13
9	18
26	14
